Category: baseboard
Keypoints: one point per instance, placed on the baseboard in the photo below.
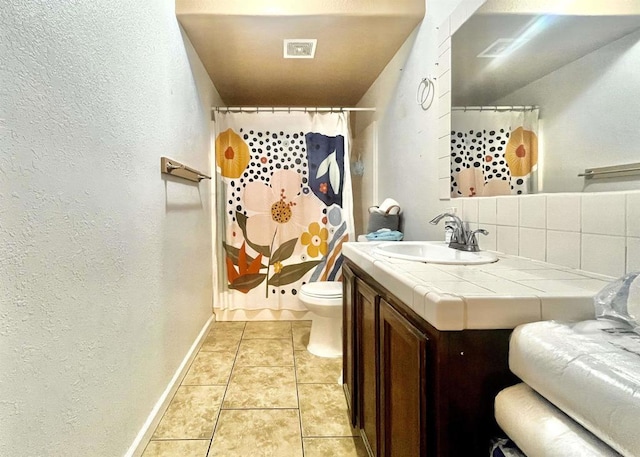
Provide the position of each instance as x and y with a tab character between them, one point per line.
260	315
144	435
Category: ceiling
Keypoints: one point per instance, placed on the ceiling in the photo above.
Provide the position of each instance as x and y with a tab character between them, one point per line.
552	42
241	47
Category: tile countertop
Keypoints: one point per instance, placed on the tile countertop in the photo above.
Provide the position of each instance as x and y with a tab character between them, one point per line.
500	295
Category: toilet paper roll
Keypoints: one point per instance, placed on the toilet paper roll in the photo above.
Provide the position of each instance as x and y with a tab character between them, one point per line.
388	206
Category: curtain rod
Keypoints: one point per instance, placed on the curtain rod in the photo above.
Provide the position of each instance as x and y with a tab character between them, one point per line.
273	109
495	108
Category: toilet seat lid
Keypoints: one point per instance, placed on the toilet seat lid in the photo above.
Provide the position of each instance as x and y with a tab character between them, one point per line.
322	289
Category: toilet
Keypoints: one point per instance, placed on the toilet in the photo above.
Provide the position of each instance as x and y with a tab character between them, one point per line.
324	300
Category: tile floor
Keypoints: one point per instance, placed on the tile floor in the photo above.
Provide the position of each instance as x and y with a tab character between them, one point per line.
254	390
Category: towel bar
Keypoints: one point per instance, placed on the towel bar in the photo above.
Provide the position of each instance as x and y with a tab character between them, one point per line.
175	168
629	169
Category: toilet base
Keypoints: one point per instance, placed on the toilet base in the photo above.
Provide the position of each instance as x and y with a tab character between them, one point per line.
325	339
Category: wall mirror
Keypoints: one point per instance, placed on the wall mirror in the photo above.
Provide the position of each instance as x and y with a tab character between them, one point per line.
583	71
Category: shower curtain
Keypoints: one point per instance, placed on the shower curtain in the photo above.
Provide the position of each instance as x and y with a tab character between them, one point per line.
285	190
493	152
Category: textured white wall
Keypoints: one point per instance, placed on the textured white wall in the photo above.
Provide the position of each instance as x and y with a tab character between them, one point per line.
106	265
590	114
407	135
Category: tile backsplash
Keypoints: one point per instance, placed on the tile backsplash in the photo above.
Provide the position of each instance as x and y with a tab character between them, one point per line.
597	232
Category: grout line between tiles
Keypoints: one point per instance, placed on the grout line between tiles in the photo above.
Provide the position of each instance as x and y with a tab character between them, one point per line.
180	439
261	409
217	419
295	374
178	389
331	437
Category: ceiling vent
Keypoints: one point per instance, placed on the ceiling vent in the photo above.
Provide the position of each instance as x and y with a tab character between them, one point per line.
299	49
502	47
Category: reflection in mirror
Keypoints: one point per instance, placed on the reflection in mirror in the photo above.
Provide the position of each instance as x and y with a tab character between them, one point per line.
583	72
494	151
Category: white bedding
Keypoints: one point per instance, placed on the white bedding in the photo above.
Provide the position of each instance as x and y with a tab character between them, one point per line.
540	429
589	370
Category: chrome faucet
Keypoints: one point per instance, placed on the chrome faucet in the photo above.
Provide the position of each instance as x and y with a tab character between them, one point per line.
459	233
462	238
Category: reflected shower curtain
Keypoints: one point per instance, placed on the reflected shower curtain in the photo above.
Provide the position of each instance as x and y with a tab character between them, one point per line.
287	202
493	152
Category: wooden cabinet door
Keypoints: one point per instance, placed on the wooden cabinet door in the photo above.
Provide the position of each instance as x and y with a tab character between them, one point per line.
367	330
349	343
403	386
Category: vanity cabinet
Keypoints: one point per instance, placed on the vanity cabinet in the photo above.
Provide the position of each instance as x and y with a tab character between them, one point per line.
367	318
412	389
349	343
403	385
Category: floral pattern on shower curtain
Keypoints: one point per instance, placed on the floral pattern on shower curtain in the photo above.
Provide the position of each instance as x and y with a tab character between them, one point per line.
493	152
287	204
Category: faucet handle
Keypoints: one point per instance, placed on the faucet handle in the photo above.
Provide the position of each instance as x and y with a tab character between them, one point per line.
473	241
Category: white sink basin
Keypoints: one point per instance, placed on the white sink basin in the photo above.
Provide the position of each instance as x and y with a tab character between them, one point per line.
432	252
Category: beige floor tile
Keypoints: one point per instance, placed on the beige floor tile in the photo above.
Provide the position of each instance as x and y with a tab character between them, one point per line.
265	353
300	337
334	447
311	369
222	339
324	410
257	433
229	325
191	413
267	329
300	324
261	387
210	368
175	448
